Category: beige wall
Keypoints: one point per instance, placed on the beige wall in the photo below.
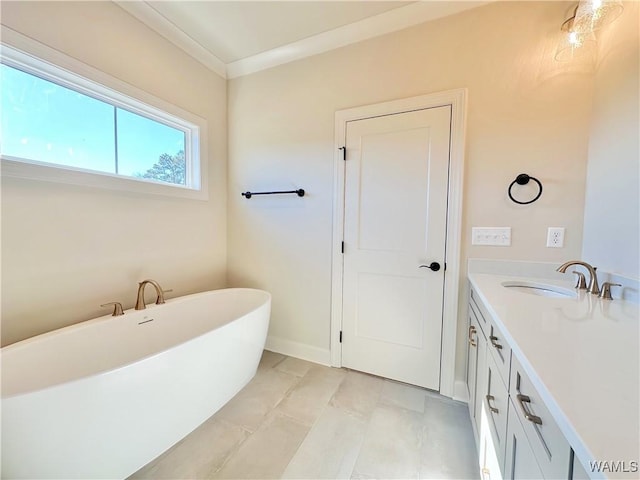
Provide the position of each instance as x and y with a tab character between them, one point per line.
612	205
526	113
67	249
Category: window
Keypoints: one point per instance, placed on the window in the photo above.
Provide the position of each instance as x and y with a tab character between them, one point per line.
72	126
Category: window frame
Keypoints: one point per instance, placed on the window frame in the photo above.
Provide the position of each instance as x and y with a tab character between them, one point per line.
36	59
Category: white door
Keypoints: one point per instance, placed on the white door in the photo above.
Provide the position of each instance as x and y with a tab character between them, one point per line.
396	182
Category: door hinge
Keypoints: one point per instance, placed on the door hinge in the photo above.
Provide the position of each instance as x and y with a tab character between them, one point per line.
340	336
342	247
344	152
445	267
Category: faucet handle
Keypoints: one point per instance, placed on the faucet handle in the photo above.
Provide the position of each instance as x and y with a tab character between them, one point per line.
117	308
606	290
581	283
593	283
159	300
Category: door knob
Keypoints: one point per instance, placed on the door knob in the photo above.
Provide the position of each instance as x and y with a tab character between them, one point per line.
435	266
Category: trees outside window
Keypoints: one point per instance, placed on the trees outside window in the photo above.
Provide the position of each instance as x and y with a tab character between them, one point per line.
168	168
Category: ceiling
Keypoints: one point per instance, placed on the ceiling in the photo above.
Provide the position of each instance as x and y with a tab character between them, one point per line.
234	38
236	30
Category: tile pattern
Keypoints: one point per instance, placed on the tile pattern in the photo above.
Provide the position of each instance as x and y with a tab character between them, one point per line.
300	420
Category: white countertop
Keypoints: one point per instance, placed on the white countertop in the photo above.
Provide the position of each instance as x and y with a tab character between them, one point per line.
583	356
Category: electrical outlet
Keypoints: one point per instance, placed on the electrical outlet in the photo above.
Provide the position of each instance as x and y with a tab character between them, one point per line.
555	237
496	236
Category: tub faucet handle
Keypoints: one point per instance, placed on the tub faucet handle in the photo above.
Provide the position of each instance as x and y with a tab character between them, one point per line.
117	308
158	302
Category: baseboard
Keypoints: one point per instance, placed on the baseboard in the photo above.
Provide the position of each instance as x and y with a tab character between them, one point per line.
460	391
299	350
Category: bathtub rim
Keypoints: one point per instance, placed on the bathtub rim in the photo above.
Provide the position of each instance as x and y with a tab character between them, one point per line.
144	397
107	318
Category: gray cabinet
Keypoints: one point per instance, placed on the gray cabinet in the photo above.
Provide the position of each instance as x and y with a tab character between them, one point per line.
547	441
516	434
520	461
578	472
476	366
472	363
488	394
496	404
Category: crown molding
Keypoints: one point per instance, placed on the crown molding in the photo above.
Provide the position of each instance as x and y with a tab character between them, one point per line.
387	22
383	23
148	15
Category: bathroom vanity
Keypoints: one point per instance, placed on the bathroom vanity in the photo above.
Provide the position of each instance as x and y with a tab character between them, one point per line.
553	380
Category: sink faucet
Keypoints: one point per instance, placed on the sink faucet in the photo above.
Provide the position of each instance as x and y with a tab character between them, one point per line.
593	280
140	300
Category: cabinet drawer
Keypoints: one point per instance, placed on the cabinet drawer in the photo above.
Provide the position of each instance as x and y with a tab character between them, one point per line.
496	344
500	350
552	451
479	309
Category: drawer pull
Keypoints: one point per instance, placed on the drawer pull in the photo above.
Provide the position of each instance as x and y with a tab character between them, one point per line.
472	330
522	399
494	342
493	409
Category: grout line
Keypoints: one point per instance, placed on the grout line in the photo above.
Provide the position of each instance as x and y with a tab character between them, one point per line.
366	422
284	357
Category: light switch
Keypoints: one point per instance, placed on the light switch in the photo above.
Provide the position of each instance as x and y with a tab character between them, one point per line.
496	236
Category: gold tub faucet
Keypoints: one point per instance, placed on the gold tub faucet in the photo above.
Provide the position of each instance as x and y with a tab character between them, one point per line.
140	300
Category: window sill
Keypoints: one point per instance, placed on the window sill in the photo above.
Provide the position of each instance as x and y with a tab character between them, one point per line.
75	176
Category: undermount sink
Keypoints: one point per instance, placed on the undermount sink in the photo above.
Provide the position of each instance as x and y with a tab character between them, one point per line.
540	289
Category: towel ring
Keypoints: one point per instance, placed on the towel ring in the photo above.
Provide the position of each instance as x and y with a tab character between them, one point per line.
523	179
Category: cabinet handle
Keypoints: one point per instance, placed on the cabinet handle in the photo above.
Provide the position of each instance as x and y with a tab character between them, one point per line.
493	409
522	399
472	330
494	342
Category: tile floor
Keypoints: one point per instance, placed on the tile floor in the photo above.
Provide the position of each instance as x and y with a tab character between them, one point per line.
296	419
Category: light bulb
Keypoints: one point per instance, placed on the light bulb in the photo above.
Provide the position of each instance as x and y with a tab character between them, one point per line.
573	38
574	44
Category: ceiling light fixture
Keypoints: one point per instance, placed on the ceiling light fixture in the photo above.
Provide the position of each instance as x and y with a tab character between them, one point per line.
592	15
574	42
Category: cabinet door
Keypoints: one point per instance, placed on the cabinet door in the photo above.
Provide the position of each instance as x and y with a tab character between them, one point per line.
472	362
496	401
481	379
492	398
520	461
489	463
577	470
552	449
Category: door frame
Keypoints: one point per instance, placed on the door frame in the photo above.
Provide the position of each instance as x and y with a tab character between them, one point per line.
457	99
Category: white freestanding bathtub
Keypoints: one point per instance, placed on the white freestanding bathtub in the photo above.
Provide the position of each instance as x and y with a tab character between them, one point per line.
102	398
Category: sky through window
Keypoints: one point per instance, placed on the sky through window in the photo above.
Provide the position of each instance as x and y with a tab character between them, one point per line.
46	122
